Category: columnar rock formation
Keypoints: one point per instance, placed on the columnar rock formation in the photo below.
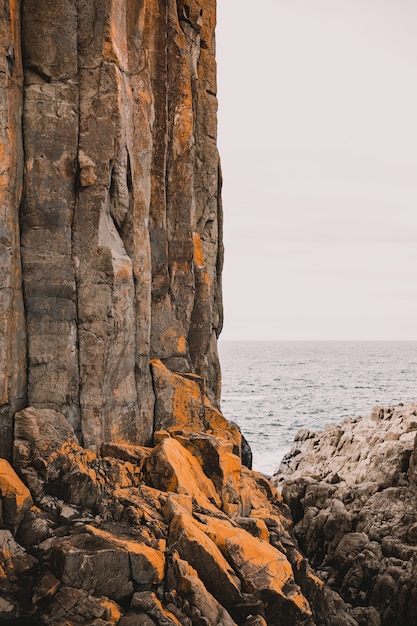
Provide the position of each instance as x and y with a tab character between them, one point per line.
123	495
109	170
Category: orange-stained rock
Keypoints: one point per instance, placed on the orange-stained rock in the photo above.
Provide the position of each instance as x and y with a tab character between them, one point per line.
178	399
41	432
219	464
194	545
147	565
192	589
72	606
85	562
15	496
17	567
126	452
264	571
216	424
13	341
148	601
171	467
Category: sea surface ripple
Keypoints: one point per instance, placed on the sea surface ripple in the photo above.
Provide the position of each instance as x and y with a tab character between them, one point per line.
274	388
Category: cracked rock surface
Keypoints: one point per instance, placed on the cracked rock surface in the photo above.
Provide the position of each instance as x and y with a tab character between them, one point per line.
352	490
111	222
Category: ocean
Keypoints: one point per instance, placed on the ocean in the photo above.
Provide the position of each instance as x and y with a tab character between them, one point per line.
274	388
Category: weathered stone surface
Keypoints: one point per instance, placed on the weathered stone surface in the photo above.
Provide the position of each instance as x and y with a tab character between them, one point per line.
84	562
147	565
352	492
179	399
148	602
171	467
75	606
17	567
120	219
12	320
15	497
265	572
191	588
194	546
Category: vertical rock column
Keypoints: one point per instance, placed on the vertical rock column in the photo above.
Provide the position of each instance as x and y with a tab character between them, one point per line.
50	134
198	21
12	323
120	217
111	240
185	210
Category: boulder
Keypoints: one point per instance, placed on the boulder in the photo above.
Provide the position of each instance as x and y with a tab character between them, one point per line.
76	607
84	561
14	496
171	467
193	545
192	589
264	571
179	399
147	565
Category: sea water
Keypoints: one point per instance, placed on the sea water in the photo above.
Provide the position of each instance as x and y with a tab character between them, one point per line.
274	388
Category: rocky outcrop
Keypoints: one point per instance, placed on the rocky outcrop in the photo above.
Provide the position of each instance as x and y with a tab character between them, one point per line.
123	498
111	248
352	491
159	536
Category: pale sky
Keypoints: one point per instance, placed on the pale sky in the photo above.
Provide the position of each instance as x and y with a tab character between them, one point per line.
318	141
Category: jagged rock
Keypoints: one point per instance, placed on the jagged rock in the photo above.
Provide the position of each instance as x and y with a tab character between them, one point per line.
171	467
84	561
16	569
351	489
219	464
34	529
75	607
265	572
147	565
148	601
179	399
15	497
191	588
194	546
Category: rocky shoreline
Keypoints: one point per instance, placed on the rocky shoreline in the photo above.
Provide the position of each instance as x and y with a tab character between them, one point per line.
352	491
183	533
124	494
180	533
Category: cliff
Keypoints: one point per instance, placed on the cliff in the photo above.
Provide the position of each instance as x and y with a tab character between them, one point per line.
111	249
124	498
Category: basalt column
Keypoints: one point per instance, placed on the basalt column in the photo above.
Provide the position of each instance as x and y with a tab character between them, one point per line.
12	322
185	214
120	216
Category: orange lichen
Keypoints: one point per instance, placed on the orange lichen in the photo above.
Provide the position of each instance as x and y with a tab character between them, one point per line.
262	566
198	250
16	496
112	611
178	471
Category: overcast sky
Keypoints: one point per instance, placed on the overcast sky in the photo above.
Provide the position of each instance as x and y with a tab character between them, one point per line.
318	141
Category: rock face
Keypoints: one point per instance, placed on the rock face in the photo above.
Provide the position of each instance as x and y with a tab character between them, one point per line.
136	535
111	249
123	498
352	490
